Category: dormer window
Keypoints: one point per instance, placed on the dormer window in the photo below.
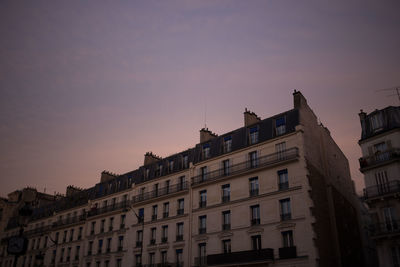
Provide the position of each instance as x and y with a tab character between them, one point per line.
171	166
227	144
280	126
206	151
376	121
253	134
185	161
146	173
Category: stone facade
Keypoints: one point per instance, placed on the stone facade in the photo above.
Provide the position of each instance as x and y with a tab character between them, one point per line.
276	192
380	164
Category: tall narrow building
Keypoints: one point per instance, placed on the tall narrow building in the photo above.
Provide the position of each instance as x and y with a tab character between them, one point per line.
380	164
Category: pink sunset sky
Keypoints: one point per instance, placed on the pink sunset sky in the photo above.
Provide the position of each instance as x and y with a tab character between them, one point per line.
87	86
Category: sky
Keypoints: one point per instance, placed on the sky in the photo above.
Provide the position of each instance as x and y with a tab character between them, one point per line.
87	86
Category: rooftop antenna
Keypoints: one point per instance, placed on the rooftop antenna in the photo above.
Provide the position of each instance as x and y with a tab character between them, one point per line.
205	113
395	90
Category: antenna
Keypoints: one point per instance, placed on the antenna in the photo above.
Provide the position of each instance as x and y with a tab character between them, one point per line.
395	89
205	113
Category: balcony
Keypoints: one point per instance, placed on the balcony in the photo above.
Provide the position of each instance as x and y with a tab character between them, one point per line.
287	252
180	212
283	186
120	248
271	159
378	159
164	240
385	230
67	221
154	217
286	216
160	192
139	244
255	221
253	192
382	189
226	199
152	241
41	230
240	257
202	204
179	237
226	226
202	231
165	214
110	208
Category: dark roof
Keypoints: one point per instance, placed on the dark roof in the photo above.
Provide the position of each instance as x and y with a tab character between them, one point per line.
390	120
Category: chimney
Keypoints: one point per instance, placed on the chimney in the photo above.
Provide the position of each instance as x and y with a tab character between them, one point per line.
72	190
299	100
362	115
107	176
250	118
150	158
206	135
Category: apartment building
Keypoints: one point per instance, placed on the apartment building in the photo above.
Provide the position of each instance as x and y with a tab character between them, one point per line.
380	143
275	192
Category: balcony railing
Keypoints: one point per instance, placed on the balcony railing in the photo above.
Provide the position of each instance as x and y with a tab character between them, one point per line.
263	161
287	252
180	211
165	214
283	186
385	229
226	226
239	257
286	216
164	240
152	241
255	221
110	208
202	231
160	192
382	189
154	217
226	199
202	204
68	221
38	230
253	192
378	158
138	244
179	237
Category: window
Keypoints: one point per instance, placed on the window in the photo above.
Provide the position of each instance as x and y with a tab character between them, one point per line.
181	183
113	202
153	236
226	220
185	161
283	181
118	263
381	153
181	206
395	255
98	263
71	235
69	254
111	224
280	126
280	150
107	263
100	246
120	242
154	216
171	166
203	199
253	133
227	147
159	170
376	121
139	238
179	258
57	237
256	242
90	248
226	193
253	183
65	236
206	151
253	159
122	221
285	209
53	257
93	227
155	188
45	241
226	246
62	255
141	193
102	223
164	234
141	215
202	224
146	173
202	254
167	185
203	173
287	239
179	231
138	260
165	210
225	165
77	252
152	259
80	233
164	258
390	219
255	214
108	247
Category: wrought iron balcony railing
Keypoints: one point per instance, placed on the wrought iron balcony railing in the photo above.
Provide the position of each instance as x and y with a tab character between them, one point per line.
378	158
286	216
109	208
287	252
382	189
385	229
239	257
263	161
161	192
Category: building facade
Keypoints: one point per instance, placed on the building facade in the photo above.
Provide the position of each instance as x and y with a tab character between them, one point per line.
275	192
380	164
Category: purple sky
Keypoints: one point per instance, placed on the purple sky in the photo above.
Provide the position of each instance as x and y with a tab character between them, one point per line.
92	85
